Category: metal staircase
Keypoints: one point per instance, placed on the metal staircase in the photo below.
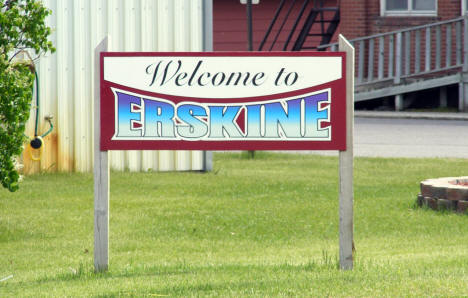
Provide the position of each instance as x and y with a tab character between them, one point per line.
401	62
307	25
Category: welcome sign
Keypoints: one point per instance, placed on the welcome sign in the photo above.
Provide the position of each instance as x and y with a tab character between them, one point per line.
223	101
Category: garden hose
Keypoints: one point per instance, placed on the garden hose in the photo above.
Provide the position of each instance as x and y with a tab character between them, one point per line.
36	78
51	126
37	142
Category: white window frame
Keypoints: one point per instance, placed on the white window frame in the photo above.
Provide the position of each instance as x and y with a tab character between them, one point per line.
464	8
410	12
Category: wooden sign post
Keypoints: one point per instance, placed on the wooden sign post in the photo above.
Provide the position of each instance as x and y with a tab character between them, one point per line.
346	164
223	101
101	173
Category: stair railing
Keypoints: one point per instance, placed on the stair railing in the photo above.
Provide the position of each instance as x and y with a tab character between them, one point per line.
411	52
280	22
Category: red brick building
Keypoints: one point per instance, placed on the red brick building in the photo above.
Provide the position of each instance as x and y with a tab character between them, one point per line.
358	18
398	66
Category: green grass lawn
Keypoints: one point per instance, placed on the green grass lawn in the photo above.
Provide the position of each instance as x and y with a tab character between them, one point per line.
262	227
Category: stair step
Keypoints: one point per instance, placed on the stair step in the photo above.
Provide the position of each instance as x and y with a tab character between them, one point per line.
327	18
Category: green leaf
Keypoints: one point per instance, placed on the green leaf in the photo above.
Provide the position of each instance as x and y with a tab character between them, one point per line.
22	25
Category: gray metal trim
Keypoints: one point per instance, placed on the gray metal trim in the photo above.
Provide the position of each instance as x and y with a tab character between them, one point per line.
207	47
207	25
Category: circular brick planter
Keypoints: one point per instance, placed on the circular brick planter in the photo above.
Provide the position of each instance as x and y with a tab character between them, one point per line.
450	193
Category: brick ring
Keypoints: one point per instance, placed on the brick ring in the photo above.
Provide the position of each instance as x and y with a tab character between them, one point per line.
450	193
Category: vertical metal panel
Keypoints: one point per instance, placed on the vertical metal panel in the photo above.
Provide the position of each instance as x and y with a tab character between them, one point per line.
165	44
115	31
148	13
65	117
131	44
66	77
80	106
196	44
182	44
206	164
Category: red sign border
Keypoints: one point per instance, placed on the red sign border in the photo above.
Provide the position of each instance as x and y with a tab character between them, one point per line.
338	107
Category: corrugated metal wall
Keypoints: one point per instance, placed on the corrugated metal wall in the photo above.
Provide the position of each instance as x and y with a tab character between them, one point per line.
66	77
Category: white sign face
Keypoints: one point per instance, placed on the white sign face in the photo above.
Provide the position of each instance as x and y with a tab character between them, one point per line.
208	77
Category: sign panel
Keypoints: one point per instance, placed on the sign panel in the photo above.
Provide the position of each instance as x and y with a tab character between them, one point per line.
223	101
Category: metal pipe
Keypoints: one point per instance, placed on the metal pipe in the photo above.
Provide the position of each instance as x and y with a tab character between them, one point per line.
250	44
207	25
207	47
249	26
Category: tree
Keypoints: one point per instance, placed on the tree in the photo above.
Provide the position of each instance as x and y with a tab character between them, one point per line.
22	28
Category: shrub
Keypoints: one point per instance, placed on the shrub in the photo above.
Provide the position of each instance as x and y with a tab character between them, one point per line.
22	28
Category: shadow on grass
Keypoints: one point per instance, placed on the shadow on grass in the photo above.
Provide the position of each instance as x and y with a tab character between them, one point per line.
236	278
86	272
273	279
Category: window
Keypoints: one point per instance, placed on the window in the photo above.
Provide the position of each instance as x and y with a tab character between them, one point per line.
464	7
409	7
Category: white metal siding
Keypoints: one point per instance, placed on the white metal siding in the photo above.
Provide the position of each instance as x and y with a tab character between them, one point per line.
66	77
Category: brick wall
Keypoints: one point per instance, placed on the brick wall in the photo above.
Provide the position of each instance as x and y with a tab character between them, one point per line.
353	18
361	18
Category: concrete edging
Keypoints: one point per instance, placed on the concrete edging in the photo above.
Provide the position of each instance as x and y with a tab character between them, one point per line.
412	115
